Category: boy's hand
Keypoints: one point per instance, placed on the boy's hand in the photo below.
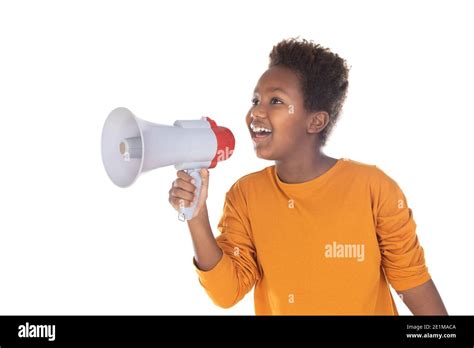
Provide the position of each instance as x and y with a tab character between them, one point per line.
182	192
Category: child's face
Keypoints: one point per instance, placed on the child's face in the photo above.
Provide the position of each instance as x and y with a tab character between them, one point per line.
277	105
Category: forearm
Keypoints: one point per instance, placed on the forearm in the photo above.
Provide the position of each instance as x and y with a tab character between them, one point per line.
207	252
424	300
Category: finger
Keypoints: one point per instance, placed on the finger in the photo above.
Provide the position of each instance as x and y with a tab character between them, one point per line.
177	203
183	175
184	185
180	193
174	202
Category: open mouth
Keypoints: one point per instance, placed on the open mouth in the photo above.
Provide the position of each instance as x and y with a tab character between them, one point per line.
260	133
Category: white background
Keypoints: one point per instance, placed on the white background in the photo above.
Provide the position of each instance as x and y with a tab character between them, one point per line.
73	243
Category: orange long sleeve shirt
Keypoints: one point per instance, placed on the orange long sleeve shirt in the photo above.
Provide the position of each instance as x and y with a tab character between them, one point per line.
328	246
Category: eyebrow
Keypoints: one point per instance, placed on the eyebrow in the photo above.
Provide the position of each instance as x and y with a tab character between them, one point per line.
274	89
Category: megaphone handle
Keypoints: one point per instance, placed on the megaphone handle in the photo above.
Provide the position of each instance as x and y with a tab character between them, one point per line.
186	213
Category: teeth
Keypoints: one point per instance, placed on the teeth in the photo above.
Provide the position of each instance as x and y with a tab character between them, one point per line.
259	129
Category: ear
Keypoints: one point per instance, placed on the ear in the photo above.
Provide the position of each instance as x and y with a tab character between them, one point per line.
317	121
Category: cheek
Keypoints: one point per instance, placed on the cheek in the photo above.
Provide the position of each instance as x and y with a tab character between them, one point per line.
289	128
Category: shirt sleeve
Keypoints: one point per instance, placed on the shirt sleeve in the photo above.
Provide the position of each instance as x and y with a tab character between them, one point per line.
236	272
402	255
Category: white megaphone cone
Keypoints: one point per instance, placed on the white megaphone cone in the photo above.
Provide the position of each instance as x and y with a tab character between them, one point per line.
131	146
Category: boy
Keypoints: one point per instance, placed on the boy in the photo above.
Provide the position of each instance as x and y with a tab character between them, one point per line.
313	234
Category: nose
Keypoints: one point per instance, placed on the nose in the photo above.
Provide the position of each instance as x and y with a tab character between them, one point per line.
258	111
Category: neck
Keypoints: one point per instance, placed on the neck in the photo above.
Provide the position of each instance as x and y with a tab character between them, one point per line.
303	168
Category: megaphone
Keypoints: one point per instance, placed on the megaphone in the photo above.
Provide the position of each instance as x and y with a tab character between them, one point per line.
131	146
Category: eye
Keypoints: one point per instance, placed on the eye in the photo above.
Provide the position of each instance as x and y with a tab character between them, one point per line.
254	101
276	101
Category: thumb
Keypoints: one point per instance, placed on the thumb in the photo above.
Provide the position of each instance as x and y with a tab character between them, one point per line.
204	177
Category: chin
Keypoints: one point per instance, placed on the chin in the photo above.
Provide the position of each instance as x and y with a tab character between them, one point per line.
264	154
266	150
